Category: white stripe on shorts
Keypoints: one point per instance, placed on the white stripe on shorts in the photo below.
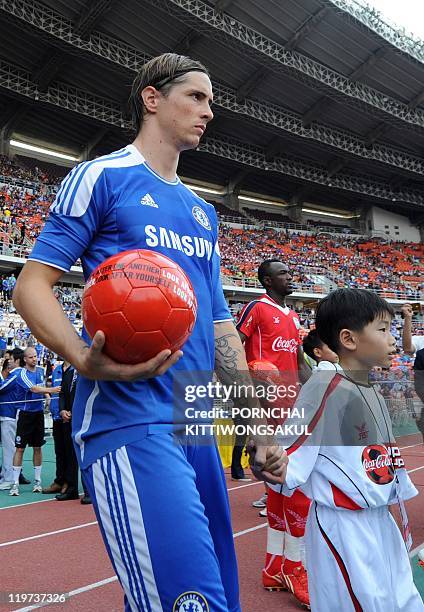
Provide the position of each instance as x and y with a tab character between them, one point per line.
126	536
138	531
108	518
113	512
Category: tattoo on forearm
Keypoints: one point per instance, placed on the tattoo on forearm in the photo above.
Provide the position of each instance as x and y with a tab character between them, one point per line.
226	356
231	369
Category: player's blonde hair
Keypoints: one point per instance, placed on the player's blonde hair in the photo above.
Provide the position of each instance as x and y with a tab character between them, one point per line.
161	72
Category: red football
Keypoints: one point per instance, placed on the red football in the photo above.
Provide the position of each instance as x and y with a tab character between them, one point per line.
263	370
143	302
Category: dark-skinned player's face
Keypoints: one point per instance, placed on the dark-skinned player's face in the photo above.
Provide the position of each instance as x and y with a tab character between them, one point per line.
279	279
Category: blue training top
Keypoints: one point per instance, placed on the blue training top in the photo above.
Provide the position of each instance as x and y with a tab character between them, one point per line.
34	402
15	391
109	205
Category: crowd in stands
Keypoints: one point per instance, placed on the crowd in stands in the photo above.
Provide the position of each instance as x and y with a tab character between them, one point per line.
30	170
14	332
393	268
45	172
23	207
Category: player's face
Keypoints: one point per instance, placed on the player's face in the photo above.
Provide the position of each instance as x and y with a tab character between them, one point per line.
30	358
14	363
375	344
280	279
185	112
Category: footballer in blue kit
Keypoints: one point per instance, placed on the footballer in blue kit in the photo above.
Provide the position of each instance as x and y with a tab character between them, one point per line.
160	497
21	391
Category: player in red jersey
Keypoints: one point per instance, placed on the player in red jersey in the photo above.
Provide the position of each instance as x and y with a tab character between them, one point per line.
270	332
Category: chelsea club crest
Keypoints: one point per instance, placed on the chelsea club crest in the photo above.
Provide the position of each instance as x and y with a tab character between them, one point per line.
201	217
190	602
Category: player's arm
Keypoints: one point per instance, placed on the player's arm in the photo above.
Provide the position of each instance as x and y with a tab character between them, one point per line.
270	461
304	370
46	391
35	301
24	382
242	336
407	345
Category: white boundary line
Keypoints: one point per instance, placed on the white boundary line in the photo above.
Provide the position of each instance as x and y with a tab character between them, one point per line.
251	484
49	533
66	529
100	583
416	469
84	589
40	501
96	585
410	446
240	533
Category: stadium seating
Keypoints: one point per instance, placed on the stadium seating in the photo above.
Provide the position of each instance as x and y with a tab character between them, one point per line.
45	171
320	262
393	269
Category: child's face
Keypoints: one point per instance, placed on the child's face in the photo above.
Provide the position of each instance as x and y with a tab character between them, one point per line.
375	345
324	353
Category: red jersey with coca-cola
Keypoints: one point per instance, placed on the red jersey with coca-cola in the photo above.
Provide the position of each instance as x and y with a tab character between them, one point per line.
272	333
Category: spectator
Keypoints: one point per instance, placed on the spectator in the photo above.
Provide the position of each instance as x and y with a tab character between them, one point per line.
11	336
5	287
411	344
11	282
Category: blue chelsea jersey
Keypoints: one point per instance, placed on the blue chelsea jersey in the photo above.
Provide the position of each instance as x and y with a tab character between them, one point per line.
15	392
34	402
113	204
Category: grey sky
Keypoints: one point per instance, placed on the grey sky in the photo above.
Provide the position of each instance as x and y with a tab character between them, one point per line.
405	13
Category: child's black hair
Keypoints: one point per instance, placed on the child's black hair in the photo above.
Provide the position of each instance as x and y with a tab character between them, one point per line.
18	353
348	309
311	342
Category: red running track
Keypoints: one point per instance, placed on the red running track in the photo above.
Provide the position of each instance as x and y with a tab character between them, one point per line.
51	548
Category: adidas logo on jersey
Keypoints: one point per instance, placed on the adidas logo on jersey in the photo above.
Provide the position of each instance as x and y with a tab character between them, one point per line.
147	200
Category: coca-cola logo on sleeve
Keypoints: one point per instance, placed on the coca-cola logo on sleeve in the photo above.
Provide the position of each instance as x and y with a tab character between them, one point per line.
289	346
378	464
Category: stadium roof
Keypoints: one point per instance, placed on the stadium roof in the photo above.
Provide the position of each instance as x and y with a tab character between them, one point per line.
314	99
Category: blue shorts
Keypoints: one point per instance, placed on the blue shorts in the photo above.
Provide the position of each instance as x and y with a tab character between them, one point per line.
162	507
